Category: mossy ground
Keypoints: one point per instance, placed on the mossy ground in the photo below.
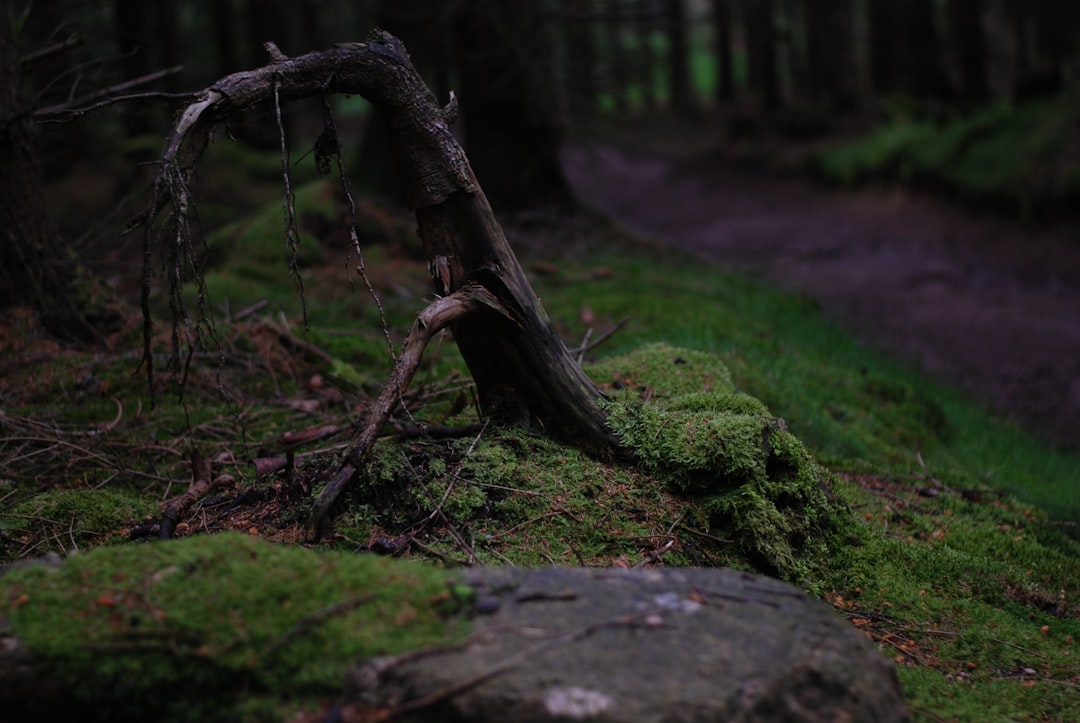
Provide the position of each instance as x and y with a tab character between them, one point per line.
132	632
928	523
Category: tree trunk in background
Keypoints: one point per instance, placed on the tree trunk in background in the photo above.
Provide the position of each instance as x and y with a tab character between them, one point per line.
618	57
647	60
761	39
423	27
223	19
580	43
269	20
906	52
1042	71
884	55
133	45
505	60
968	37
923	51
170	41
725	71
682	95
830	50
34	267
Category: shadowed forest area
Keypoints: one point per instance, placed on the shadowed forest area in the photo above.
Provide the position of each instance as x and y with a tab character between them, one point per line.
788	286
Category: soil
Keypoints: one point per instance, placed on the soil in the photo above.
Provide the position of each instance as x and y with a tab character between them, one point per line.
973	298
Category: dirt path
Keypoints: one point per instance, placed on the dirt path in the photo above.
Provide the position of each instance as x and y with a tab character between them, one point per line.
980	302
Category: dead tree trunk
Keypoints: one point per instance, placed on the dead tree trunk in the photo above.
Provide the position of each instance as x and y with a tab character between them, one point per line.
523	372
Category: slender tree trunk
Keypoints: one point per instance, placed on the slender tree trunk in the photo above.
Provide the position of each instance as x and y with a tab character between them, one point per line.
644	29
969	38
618	57
133	43
722	31
579	33
830	50
761	32
34	267
923	51
682	95
223	20
906	52
884	73
170	40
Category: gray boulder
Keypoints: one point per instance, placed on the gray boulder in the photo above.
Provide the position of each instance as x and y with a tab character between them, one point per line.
637	646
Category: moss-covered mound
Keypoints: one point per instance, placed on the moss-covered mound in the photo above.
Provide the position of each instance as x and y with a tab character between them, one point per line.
751	479
167	627
719	482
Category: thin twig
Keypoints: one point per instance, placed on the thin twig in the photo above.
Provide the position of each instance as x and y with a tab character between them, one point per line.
66	111
607	334
308	622
292	228
72	41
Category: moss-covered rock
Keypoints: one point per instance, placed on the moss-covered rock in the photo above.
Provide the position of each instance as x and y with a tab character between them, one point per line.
213	627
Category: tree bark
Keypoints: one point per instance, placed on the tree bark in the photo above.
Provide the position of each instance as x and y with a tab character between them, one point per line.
35	268
969	39
830	50
619	58
682	95
725	69
523	372
131	23
579	33
647	60
906	52
761	33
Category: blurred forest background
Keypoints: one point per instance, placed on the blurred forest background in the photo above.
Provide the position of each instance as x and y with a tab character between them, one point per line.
528	74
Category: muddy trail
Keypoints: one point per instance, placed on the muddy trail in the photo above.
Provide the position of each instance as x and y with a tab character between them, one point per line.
977	300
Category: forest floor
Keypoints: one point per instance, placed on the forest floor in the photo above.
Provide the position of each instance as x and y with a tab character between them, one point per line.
970	296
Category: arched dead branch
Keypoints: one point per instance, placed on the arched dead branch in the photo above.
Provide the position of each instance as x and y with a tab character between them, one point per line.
523	372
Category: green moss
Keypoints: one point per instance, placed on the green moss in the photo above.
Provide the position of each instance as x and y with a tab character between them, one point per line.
754	481
665	371
257	245
183	627
80	516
